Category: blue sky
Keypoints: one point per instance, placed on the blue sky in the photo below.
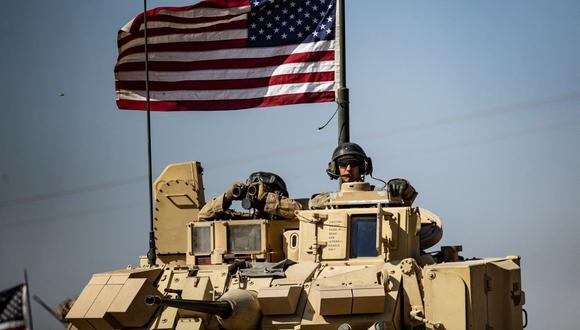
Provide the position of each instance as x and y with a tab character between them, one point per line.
477	103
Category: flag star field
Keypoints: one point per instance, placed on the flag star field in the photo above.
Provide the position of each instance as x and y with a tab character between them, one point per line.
273	23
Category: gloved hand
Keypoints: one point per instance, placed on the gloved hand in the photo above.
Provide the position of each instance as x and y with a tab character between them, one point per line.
262	192
401	188
235	192
397	186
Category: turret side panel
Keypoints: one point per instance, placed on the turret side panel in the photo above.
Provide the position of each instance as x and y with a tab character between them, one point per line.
179	195
486	292
445	301
505	297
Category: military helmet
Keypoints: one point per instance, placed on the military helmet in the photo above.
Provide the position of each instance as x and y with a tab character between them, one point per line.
273	182
351	150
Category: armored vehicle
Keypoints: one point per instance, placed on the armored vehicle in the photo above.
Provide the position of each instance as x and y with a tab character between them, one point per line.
358	263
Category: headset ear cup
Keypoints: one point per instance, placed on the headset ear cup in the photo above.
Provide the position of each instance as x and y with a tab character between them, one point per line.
331	170
368	166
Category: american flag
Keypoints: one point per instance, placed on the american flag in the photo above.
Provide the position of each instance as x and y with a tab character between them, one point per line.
230	54
12	308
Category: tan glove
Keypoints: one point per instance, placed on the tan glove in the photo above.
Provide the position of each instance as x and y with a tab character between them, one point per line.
235	192
262	193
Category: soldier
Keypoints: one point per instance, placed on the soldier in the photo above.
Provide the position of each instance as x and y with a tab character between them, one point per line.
263	191
350	163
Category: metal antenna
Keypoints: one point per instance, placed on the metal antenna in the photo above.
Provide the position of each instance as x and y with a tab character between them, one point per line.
47	308
28	309
151	254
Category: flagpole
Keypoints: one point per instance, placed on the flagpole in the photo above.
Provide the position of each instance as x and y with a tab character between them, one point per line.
151	254
28	300
342	92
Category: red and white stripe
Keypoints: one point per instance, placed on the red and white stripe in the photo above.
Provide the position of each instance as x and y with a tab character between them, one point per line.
13	325
199	60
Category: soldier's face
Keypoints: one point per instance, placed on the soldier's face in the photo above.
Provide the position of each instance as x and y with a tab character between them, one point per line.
349	170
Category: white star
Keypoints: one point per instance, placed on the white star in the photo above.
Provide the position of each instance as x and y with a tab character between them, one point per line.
315	7
284	11
307	15
261	31
329	19
300	9
300	34
292	16
315	33
292	4
291	29
322	13
269	25
307	28
315	20
253	37
269	12
284	23
277	6
328	31
256	3
299	22
261	18
322	26
268	37
284	35
277	18
254	25
276	30
307	3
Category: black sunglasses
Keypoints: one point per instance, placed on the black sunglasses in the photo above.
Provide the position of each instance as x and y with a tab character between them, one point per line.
348	161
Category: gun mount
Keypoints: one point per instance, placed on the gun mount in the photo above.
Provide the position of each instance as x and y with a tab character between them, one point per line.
222	309
236	309
361	262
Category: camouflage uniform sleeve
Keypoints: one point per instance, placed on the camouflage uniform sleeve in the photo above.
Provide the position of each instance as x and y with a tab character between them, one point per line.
212	209
281	206
319	201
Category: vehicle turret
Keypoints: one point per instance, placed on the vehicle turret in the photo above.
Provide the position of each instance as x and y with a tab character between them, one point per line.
358	262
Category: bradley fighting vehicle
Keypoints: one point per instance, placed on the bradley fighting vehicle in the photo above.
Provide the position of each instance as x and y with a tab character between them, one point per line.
359	263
